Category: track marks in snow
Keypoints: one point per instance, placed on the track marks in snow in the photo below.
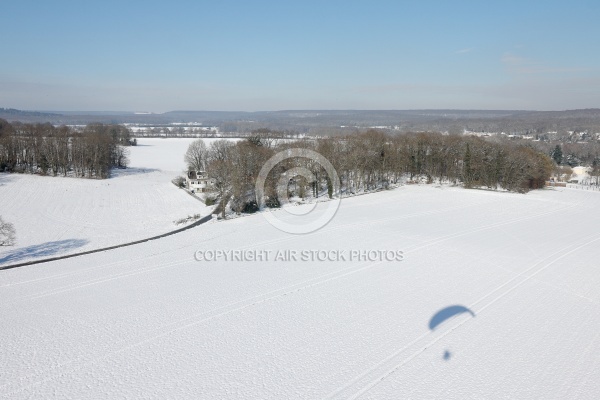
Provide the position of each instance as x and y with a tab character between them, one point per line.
239	306
191	321
510	285
361	384
142	270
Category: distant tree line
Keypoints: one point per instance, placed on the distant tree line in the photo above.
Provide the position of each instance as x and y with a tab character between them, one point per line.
368	161
573	154
48	150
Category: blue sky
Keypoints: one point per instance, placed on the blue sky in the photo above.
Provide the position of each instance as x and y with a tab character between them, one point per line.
273	55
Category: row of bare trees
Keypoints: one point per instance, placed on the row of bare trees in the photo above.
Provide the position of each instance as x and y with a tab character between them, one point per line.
365	162
373	160
49	150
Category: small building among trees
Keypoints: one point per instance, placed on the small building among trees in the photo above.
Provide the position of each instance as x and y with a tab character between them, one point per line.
197	181
581	174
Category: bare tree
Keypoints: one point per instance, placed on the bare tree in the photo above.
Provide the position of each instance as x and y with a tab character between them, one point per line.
196	156
121	156
8	235
220	171
595	172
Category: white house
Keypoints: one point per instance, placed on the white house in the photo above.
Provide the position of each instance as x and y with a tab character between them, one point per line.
581	174
197	181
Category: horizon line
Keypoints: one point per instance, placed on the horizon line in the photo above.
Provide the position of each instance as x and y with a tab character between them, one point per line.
140	112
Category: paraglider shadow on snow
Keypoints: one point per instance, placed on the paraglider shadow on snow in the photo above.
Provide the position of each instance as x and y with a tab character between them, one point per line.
445	314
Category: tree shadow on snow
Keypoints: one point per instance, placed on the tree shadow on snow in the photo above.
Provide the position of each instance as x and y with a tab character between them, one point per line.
120	172
42	250
5	177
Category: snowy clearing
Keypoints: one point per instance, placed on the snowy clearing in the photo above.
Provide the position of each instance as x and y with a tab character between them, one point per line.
55	215
165	154
148	321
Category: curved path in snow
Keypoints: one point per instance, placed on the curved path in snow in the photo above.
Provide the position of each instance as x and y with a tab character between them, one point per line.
43	260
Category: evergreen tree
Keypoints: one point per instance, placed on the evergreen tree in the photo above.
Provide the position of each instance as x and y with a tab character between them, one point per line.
557	155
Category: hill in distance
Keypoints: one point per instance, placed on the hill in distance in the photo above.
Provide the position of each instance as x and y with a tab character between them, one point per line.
454	121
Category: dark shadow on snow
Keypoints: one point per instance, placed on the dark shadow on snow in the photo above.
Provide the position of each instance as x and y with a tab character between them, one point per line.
5	177
447	313
119	172
78	243
42	250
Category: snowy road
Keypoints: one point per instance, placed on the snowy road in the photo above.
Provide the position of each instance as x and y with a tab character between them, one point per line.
151	321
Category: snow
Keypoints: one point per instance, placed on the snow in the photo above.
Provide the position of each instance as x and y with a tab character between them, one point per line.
149	321
165	154
56	215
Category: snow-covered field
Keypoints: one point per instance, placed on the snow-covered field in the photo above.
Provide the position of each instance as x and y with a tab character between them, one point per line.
149	321
55	216
165	154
